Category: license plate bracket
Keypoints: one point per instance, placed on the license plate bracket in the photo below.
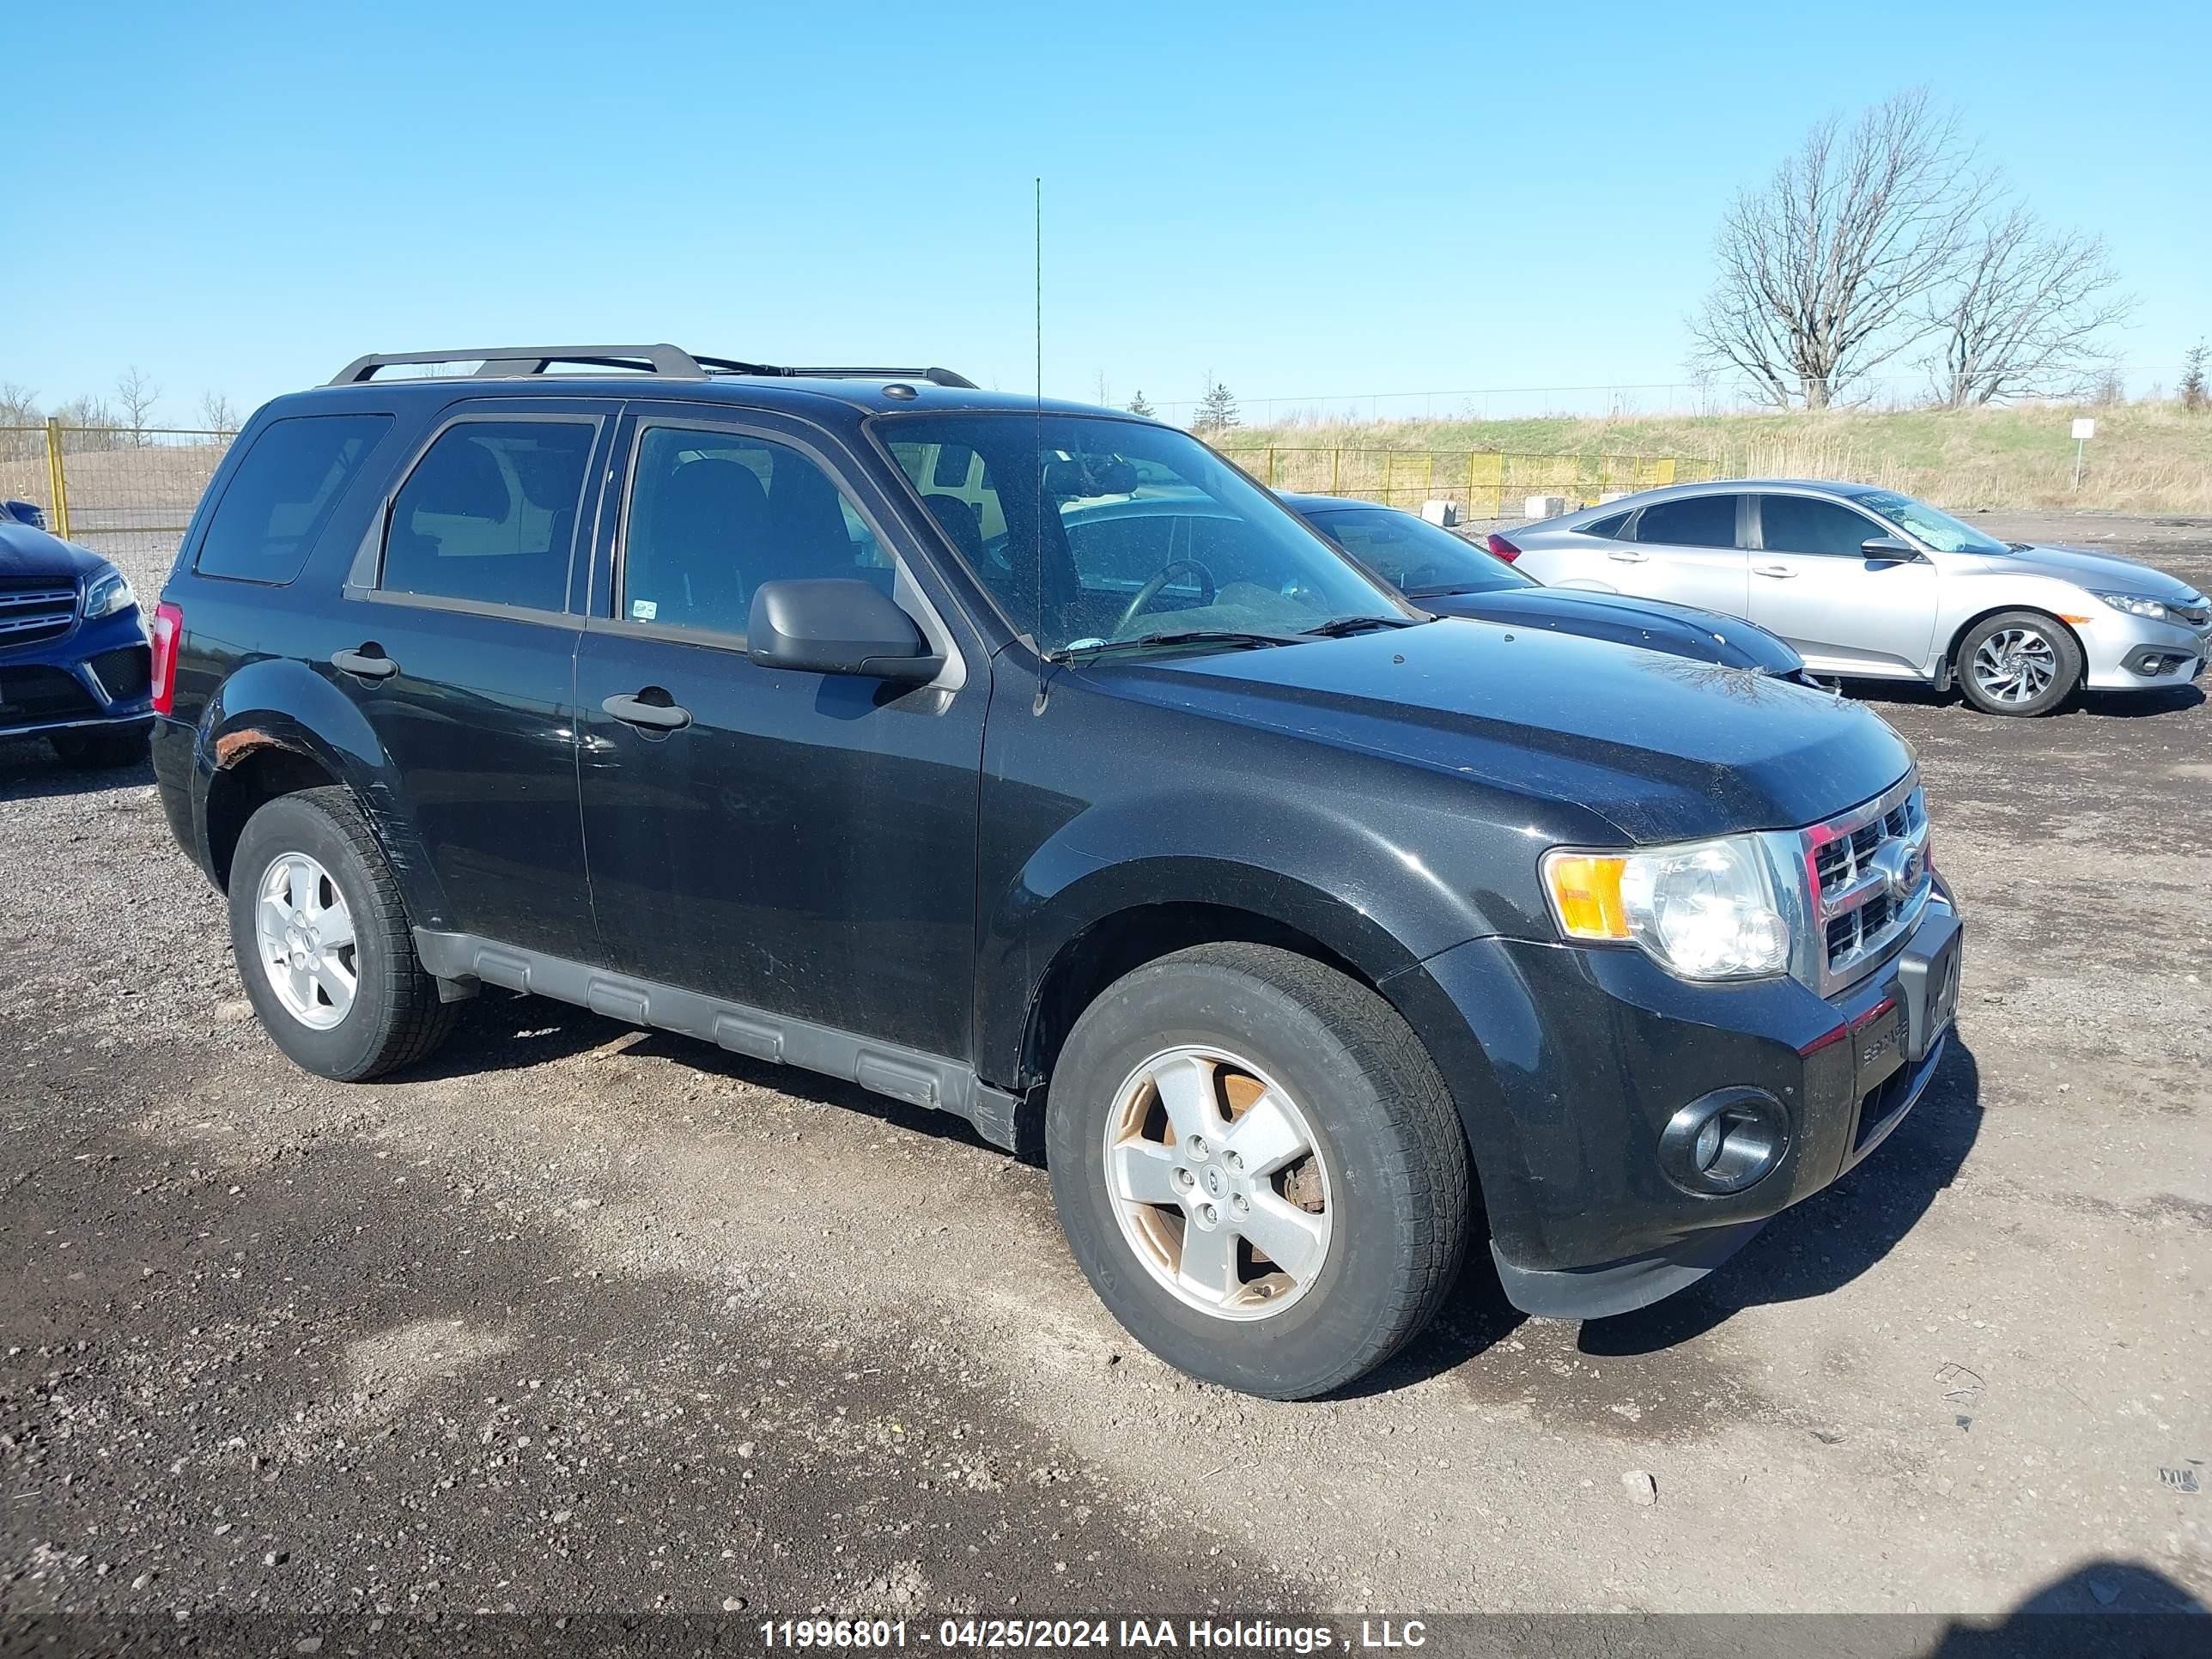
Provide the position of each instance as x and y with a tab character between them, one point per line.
1928	982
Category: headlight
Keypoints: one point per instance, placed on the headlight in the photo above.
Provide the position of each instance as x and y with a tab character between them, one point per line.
2138	605
107	593
1705	910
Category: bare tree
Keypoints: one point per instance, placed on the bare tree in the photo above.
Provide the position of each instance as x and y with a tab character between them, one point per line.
216	414
2026	314
1826	270
19	405
137	395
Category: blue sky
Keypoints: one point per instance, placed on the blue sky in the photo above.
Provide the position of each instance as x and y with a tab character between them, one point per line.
1302	200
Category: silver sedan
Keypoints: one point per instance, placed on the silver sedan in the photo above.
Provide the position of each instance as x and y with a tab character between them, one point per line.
1867	583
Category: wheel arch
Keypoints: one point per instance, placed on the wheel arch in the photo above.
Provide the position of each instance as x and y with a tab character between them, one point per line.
274	728
1120	941
1983	613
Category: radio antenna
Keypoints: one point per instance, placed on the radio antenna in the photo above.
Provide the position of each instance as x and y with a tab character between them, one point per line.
1036	636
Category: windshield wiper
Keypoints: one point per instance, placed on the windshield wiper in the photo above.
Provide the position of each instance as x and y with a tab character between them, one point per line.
1446	590
1240	638
1337	626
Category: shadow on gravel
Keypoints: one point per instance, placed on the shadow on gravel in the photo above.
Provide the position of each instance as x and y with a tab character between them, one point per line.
2098	705
2103	1609
1829	1240
29	771
245	1382
501	1030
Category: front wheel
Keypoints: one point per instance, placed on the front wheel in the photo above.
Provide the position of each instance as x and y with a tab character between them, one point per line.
323	943
1258	1168
2018	662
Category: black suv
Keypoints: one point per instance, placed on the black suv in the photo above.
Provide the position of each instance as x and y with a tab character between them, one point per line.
814	712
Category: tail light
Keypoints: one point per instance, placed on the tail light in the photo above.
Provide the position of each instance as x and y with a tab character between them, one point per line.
168	624
1500	548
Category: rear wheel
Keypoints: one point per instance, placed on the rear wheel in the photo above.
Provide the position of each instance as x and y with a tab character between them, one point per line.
101	749
323	943
2018	662
1258	1168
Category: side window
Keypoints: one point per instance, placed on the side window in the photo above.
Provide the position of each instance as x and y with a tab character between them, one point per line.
1608	527
1693	521
282	493
714	515
1804	524
489	514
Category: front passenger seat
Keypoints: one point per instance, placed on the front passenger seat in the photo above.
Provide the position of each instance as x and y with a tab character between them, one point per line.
709	520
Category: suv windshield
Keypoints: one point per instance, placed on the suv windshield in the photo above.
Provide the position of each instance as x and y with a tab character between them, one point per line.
1089	530
1938	530
1420	560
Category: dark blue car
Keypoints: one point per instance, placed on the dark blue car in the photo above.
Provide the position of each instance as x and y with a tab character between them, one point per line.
75	661
1448	576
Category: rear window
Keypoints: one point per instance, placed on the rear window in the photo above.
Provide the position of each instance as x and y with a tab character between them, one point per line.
489	514
283	494
1695	521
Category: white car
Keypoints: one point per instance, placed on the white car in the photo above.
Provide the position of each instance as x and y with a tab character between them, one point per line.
1867	583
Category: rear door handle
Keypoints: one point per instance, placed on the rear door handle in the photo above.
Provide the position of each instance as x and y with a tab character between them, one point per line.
1773	570
369	662
1626	557
663	716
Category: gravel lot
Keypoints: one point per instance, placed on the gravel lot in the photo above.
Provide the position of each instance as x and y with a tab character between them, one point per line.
581	1318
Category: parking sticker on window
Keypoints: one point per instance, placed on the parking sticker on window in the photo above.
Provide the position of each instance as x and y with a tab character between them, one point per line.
643	609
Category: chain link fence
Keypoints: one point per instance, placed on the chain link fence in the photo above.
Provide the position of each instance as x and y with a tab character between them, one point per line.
124	492
127	492
1482	483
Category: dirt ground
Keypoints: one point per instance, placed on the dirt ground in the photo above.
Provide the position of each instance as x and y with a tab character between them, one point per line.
579	1318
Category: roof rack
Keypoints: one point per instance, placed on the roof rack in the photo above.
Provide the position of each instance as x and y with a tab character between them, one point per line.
934	376
672	363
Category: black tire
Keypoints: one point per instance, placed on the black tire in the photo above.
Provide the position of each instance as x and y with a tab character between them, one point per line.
101	748
2065	652
1401	1192
395	1017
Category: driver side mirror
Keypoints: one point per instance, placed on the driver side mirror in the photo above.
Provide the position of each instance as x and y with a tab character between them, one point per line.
1887	549
836	625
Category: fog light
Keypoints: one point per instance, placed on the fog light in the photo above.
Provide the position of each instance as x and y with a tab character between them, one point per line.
1724	1142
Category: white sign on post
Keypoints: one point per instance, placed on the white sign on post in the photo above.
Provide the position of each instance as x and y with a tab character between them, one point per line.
2085	428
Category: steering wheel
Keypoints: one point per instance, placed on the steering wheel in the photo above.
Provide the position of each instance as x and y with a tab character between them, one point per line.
1150	590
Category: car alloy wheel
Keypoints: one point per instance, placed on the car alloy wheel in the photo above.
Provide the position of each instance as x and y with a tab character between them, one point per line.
1219	1183
2014	665
305	931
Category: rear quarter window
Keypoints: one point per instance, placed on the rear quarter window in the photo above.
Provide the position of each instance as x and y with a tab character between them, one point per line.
283	494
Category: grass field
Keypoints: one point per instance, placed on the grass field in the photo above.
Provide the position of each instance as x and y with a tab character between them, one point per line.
2146	457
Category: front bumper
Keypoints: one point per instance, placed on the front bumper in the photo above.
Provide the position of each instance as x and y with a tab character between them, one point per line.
1569	1064
95	675
2129	654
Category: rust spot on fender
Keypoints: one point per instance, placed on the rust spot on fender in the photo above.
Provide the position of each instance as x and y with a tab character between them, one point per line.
234	747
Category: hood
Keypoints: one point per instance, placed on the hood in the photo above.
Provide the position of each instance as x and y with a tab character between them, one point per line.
1680	630
2098	571
1662	747
27	552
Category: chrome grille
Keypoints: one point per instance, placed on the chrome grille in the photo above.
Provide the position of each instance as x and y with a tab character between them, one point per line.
1868	872
35	608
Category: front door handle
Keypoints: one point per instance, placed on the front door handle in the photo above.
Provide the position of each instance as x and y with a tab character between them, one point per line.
661	715
1778	570
369	662
1626	557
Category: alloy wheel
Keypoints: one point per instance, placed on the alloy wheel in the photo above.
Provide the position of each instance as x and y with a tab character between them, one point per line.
304	930
2014	665
1219	1183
